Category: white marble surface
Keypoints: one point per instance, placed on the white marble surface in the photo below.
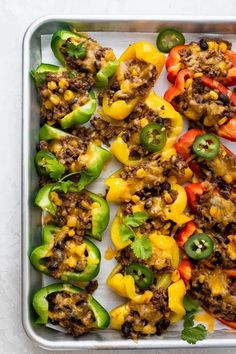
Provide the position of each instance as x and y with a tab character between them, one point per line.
15	17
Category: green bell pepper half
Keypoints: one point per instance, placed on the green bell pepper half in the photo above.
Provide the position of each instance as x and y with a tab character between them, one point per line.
41	306
102	76
58	39
40	252
42	70
100	215
80	115
97	156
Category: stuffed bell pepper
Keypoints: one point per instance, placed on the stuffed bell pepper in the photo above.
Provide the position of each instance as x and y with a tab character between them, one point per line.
139	67
82	213
65	255
66	96
70	307
79	52
205	102
208	157
62	153
210	271
209	56
152	127
150	177
213	207
150	317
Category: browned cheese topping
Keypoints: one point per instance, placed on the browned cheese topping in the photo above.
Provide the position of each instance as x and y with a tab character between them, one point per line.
71	311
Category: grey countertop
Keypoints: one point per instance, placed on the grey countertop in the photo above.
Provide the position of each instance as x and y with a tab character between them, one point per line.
15	17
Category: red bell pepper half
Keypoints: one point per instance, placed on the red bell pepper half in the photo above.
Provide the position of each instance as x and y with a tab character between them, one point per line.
194	190
226	130
187	231
185	270
174	65
227	323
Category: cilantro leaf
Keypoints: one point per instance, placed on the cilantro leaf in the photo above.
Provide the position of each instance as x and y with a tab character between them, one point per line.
55	169
126	232
77	51
191	304
194	334
136	219
191	333
142	247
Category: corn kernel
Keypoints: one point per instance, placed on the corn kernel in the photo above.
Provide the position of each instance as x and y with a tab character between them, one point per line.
52	85
65	228
95	205
167	197
188	83
223	46
71	261
135	198
175	276
201	278
212	45
54	99
62	83
56	147
195	179
85	204
68	95
48	104
143	122
172	179
79	250
71	232
213	95
55	198
109	55
71	221
228	178
197	75
140	173
222	121
136	208
214	212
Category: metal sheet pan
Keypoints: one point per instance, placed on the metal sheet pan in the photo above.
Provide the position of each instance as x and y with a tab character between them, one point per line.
116	32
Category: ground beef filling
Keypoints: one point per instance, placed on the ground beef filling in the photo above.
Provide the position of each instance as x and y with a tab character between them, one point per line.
208	57
215	290
62	93
146	319
68	151
71	311
74	210
68	254
139	76
204	106
95	57
213	209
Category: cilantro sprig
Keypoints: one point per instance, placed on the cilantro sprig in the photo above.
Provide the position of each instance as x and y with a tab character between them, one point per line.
53	167
191	333
141	246
77	51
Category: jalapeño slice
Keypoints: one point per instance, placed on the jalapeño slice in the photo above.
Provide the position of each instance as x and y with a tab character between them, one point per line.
168	39
143	276
206	146
199	246
153	137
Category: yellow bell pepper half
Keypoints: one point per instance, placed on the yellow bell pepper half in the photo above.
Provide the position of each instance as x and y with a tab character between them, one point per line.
175	211
176	292
115	233
145	52
120	148
124	285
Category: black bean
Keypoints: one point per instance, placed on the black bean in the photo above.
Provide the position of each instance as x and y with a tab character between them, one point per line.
224	98
165	186
126	329
203	44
